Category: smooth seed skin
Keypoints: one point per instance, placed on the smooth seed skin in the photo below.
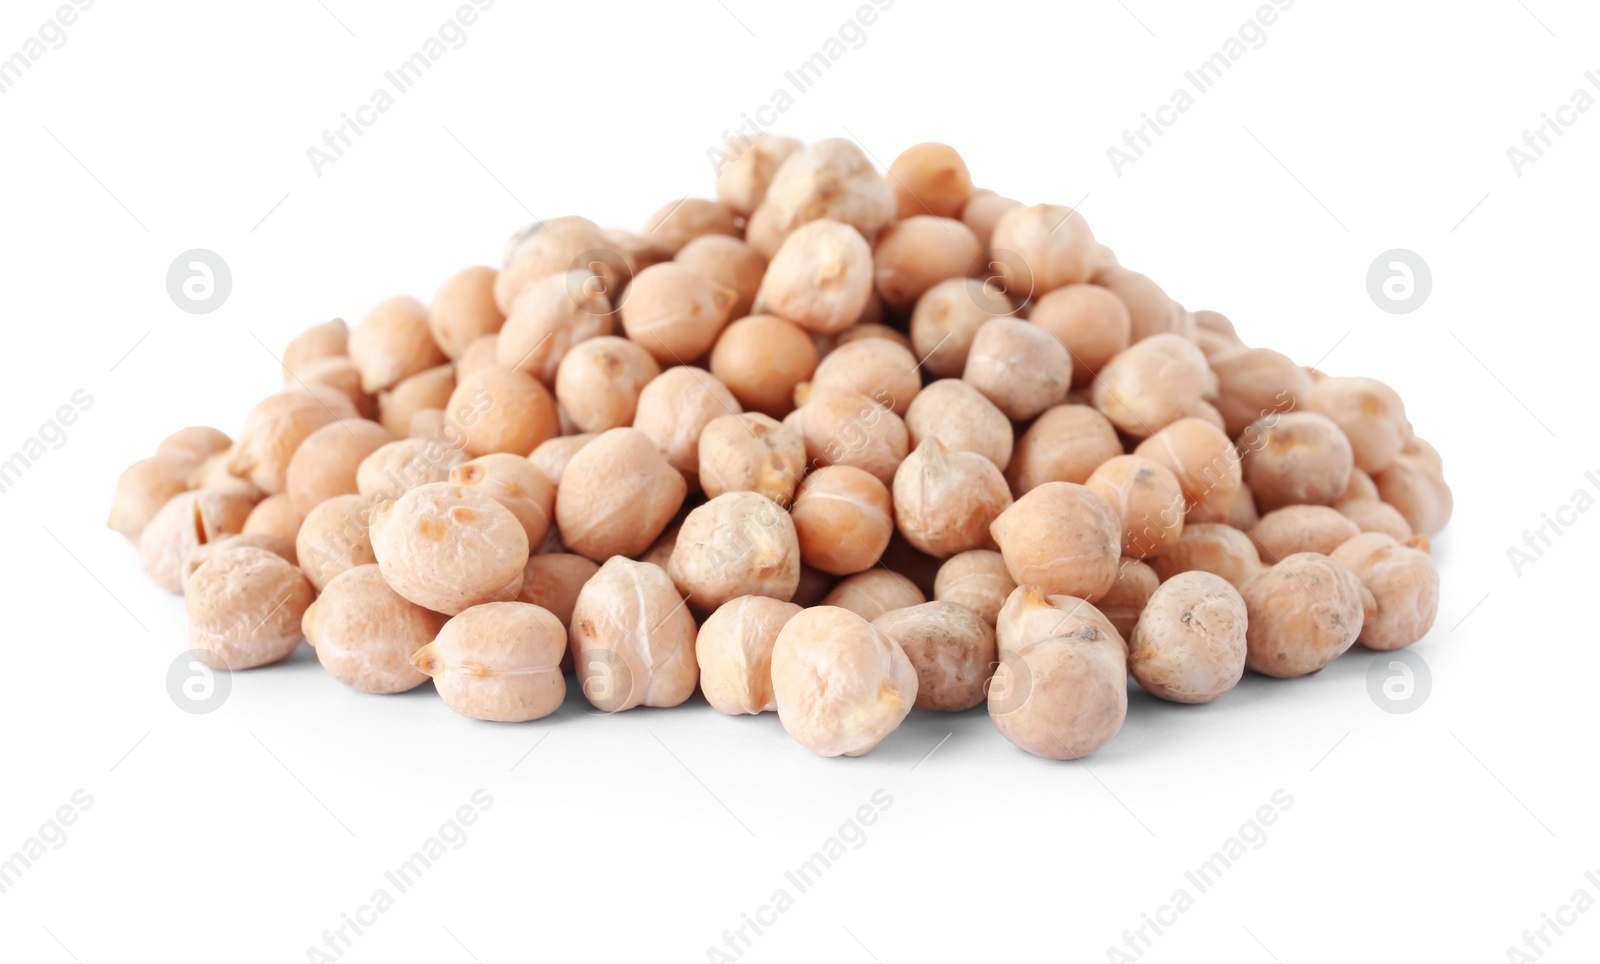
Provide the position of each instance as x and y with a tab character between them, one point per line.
482	353
843	518
1189	645
464	310
274	429
1300	458
634	638
917	253
1205	462
398	466
977	579
1301	528
365	633
334	537
761	359
338	374
1147	499
845	428
551	456
945	502
675	409
1065	696
1090	321
751	453
820	278
950	646
499	662
946	319
1063	538
448	548
1018	366
1304	613
194	444
616	496
327	340
875	367
1221	550
141	490
513	412
1031	615
729	263
960	417
1253	383
553	580
1150	310
734	651
245	607
675	313
677	223
1370	414
1361	486
872	593
1064	444
1136	583
188	519
515	483
1242	514
738	544
1374	515
841	685
1049	246
1405	589
831	179
275	516
983	210
326	463
929	179
392	343
1152	384
424	390
742	183
550	318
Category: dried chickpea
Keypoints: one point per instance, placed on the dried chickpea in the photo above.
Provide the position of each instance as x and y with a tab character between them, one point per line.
1189	646
245	607
1090	321
550	318
188	519
844	428
1147	499
1136	583
675	408
599	381
977	579
1369	413
843	519
428	423
959	416
675	312
820	278
554	249
1304	613
448	547
751	453
517	484
273	430
392	343
325	464
728	262
1063	538
365	633
634	638
761	359
464	310
552	580
616	495
510	412
743	178
424	390
1375	515
1048	246
1242	514
1152	384
761	231
338	374
335	537
1361	487
1253	383
142	489
1221	550
734	650
275	516
213	474
917	253
1064	444
841	685
1418	490
946	319
944	501
551	456
198	555
1063	697
1150	310
327	340
737	544
406	464
870	329
931	179
194	444
499	661
1301	528
1020	367
482	353
1030	615
830	179
875	367
951	648
1205	462
872	593
983	210
1404	586
677	223
1299	458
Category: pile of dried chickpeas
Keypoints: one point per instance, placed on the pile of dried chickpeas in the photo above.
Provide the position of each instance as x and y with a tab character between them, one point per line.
838	444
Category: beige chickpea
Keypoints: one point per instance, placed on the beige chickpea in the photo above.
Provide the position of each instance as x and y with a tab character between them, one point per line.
734	651
1253	383
1369	413
875	367
737	544
394	341
746	169
1189	646
616	495
675	408
1212	547
1063	538
142	489
1418	490
1242	514
917	253
874	592
393	468
841	684
515	483
677	223
1152	384
1375	515
1301	528
365	633
820	278
429	423
194	444
1064	444
327	340
326	463
951	648
1065	696
870	329
1147	499
338	374
1205	463
830	179
245	607
1041	248
1404	584
728	262
599	381
1304	612
1136	583
482	353
335	536
273	430
507	411
762	232
977	579
960	417
929	179
1361	486
188	519
1018	366
751	453
634	638
552	580
945	501
947	318
983	210
1299	458
550	318
499	661
424	390
448	547
1030	615
843	518
845	428
1150	310
198	555
464	310
213	473
551	456
674	312
660	551
1090	321
761	359
556	248
277	517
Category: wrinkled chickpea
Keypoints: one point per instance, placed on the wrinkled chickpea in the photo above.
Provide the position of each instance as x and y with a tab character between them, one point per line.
616	495
1020	367
1090	321
633	638
1213	547
841	685
1299	458
820	278
198	555
464	310
830	179
1150	310
245	607
499	661
1189	645
977	579
326	463
1063	538
1303	613
874	592
448	547
1064	444
554	249
1147	499
393	342
365	633
875	367
1030	615
960	417
951	648
188	519
945	502
1301	528
1417	489
1152	384
393	468
751	453
1404	584
141	491
734	651
761	359
743	181
737	544
1374	515
675	313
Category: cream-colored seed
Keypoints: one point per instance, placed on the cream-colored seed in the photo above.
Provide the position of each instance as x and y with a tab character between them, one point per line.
675	408
616	495
677	223
1152	384
734	651
846	428
1063	697
830	179
1041	248
1243	513
464	310
1361	486
194	444
1221	550
1064	444
448	548
1418	490
1030	615
274	429
550	317
1304	613
556	248
482	353
245	607
1063	538
142	489
553	580
929	179
515	483
275	516
188	519
365	633
499	661
1150	310
737	544
843	519
1369	413
198	555
819	279
946	319
983	210
1300	458
1090	321
1404	584
1374	515
874	592
393	342
875	367
338	374
1147	499
1301	528
508	411
1189	646
634	638
551	456
1253	383
751	453
1136	583
675	313
761	359
917	253
952	649
866	328
393	468
1205	463
742	182
599	382
728	262
424	390
326	463
327	340
945	502
977	579
959	416
334	537
1020	367
841	685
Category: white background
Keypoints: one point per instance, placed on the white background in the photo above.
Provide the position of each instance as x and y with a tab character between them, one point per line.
1358	127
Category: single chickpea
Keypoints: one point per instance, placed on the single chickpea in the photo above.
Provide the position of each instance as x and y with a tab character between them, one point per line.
599	381
464	310
393	342
677	223
1136	583
551	456
845	428
634	638
929	179
1361	486
959	416
482	353
557	248
1063	538
675	312
142	489
327	340
737	544
946	319
553	580
1375	515
515	483
1301	528
917	253
843	519
1253	383
1152	384
448	547
675	408
277	517
365	633
751	453
747	168
1221	550
200	554
734	650
499	661
830	179
1404	584
1063	697
983	210
820	278
1064	444
338	374
761	359
1148	502
245	607
188	519
945	502
1300	458
1150	310
194	444
875	367
728	262
335	537
841	685
1031	615
1369	413
273	430
616	495
1041	248
1417	489
393	468
1205	463
550	318
1189	646
1304	613
1090	321
874	592
424	390
505	411
1018	366
951	648
326	463
977	579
